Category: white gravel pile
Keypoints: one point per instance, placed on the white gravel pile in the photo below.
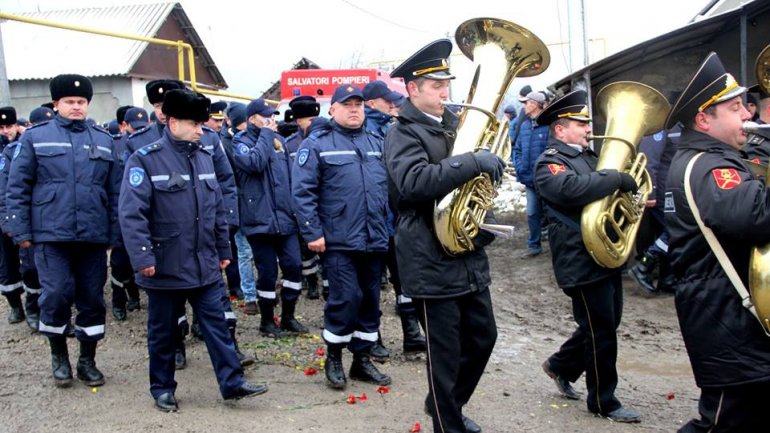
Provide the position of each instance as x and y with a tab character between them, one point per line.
511	196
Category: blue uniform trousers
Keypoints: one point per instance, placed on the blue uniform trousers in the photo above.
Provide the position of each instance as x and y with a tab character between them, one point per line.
268	248
72	272
163	310
10	277
29	271
122	275
352	312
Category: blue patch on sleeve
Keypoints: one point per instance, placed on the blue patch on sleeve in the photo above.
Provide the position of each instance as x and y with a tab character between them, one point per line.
658	136
17	151
302	156
2	162
243	149
135	176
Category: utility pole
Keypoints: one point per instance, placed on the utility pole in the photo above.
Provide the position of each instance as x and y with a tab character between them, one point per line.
578	41
5	91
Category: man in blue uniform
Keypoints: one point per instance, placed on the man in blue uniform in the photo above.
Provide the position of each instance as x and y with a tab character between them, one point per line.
175	232
15	277
125	294
67	168
217	116
451	293
341	195
267	216
712	193
304	109
567	180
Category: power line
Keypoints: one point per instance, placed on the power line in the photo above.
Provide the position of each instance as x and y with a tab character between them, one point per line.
383	18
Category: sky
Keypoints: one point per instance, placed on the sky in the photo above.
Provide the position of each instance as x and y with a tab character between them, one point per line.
253	41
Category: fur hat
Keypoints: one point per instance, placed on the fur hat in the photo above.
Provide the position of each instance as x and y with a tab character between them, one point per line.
70	85
186	104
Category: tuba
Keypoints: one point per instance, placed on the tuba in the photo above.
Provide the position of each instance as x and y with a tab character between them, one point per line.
501	50
759	264
609	225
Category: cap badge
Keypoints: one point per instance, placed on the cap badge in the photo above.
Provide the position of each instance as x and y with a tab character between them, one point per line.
77	83
139	115
349	89
3	116
160	89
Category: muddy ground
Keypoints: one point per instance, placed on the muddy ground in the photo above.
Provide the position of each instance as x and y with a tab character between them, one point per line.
533	317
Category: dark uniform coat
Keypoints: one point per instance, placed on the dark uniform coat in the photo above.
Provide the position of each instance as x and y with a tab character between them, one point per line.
567	181
725	342
420	172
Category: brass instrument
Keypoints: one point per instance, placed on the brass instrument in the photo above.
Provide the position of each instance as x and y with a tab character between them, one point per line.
759	264
501	50
609	225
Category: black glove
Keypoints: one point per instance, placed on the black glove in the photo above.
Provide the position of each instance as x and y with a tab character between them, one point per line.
490	163
627	183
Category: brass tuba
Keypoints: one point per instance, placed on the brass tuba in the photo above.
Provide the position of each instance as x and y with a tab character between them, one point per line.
609	225
759	265
501	50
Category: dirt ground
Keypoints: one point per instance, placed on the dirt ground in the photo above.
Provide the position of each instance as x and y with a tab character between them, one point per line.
533	317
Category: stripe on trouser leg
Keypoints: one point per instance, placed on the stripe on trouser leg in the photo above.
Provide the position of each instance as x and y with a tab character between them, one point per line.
8	288
229	315
42	327
265	295
310	271
31	291
330	337
719	411
662	245
366	336
91	330
593	347
326	283
181	319
403	300
291	285
311	262
430	365
116	282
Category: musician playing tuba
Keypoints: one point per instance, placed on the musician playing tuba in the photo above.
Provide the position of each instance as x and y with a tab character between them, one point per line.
718	212
567	180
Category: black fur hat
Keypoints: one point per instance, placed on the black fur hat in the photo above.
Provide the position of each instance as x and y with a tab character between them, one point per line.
186	104
157	88
305	106
7	116
70	85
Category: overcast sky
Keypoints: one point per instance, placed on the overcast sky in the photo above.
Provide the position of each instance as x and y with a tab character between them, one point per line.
253	41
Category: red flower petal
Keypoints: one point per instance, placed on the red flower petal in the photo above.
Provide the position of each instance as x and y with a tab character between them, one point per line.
382	389
277	320
415	428
670	396
310	371
320	351
351	399
362	397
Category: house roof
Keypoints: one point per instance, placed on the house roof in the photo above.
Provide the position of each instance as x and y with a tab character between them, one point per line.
40	52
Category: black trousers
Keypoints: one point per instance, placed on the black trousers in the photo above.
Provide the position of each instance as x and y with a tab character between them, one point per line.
460	334
593	347
731	409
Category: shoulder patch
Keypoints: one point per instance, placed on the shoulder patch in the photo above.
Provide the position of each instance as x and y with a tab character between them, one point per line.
755	160
149	149
668	203
16	152
556	168
2	162
302	156
242	149
135	176
726	178
658	136
551	151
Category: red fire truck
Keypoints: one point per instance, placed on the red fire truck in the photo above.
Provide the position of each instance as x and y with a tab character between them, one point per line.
321	83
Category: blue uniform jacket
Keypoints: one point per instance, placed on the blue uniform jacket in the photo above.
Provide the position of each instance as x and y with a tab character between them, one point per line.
378	122
172	215
340	188
209	141
5	169
64	184
264	178
529	145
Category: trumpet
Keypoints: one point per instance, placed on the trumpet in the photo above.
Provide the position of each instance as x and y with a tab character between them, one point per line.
757	129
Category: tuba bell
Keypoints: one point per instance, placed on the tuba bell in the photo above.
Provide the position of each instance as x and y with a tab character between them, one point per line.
759	264
501	50
609	225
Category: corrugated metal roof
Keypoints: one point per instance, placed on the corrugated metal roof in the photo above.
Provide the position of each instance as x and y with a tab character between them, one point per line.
39	52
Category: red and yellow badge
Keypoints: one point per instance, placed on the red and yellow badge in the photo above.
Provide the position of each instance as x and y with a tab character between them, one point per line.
755	161
556	168
726	178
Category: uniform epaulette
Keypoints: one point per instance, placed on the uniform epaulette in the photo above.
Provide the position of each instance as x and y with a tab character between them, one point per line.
318	133
140	132
208	129
755	139
291	137
37	125
149	149
102	130
239	134
551	151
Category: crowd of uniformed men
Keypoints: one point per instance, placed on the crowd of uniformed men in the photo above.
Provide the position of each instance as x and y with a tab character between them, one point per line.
212	188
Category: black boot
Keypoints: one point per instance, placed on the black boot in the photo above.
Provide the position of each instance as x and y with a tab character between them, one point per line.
33	311
60	362
267	326
86	367
325	290
180	352
335	373
119	312
133	303
17	311
289	324
195	329
413	339
642	272
363	369
312	286
379	352
243	358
